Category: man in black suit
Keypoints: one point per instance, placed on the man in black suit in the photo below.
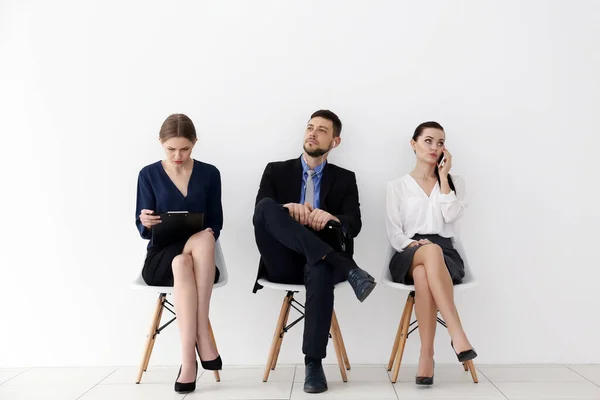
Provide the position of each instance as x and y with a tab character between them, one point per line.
296	200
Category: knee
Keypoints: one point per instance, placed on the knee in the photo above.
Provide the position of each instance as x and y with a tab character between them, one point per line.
202	242
433	252
182	264
263	205
202	239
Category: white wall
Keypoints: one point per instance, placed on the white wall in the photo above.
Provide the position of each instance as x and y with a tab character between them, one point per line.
86	85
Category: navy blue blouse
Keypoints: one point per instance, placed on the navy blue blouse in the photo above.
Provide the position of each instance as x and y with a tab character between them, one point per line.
156	191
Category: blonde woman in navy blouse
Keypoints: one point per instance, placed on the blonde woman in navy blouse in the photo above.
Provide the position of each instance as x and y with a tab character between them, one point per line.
180	183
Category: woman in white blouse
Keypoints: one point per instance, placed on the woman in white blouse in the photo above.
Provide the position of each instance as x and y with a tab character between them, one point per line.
421	208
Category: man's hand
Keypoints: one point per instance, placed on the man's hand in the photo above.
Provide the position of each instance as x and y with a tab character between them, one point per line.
319	218
299	212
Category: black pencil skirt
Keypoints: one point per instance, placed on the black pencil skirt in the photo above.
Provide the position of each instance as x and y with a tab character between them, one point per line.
401	261
158	270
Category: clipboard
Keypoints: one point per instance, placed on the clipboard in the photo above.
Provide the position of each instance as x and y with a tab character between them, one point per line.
176	226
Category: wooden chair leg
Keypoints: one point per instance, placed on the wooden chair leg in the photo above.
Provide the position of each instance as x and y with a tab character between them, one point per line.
153	339
280	341
160	313
278	332
151	336
336	323
338	348
406	315
212	338
397	338
396	341
471	367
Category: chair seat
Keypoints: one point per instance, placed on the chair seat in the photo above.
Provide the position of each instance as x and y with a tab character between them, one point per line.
468	281
409	288
290	287
140	284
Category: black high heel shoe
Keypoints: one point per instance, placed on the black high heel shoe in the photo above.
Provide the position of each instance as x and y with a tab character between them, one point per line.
466	355
425	380
212	365
188	387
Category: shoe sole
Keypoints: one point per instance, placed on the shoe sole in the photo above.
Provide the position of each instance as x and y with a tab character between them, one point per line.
468	357
314	391
367	292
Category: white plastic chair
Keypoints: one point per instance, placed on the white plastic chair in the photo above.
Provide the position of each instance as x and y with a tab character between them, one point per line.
281	328
468	282
162	303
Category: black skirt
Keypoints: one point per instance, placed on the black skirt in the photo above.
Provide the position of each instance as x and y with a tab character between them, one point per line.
158	270
401	261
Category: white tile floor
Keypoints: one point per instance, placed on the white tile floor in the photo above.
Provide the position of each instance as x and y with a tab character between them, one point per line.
364	382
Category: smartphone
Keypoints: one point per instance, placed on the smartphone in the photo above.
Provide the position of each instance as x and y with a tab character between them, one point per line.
442	160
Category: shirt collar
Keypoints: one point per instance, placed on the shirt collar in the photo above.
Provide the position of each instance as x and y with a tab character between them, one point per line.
318	168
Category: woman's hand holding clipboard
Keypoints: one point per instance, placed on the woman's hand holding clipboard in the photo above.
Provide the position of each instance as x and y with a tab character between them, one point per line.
149	218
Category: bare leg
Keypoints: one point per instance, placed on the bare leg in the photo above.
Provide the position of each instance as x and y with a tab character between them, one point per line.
186	305
442	289
201	247
426	311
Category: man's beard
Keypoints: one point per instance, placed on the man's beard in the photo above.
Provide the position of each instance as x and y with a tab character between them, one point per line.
318	152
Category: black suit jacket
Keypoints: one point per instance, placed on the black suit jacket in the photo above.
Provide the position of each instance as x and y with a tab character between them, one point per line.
282	181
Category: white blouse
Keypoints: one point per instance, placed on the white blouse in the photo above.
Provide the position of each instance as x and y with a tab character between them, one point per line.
409	211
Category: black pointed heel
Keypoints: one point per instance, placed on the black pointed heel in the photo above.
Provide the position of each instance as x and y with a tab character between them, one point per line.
187	387
464	356
212	365
425	380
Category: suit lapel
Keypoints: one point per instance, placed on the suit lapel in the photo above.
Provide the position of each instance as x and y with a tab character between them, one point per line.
296	181
326	184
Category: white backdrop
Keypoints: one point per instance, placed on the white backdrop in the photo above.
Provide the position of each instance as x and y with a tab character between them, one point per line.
86	85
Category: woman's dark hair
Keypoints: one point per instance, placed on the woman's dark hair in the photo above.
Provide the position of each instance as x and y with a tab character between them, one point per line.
419	132
177	125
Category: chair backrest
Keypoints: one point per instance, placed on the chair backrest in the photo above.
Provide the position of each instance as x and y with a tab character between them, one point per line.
469	276
220	263
386	275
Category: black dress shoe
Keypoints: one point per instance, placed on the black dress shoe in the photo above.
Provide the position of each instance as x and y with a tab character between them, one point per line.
362	283
188	386
314	381
425	380
212	365
466	355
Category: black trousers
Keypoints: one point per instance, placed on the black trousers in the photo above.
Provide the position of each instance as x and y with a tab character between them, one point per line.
293	254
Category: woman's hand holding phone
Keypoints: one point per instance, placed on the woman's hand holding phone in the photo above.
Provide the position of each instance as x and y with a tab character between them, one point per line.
445	164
